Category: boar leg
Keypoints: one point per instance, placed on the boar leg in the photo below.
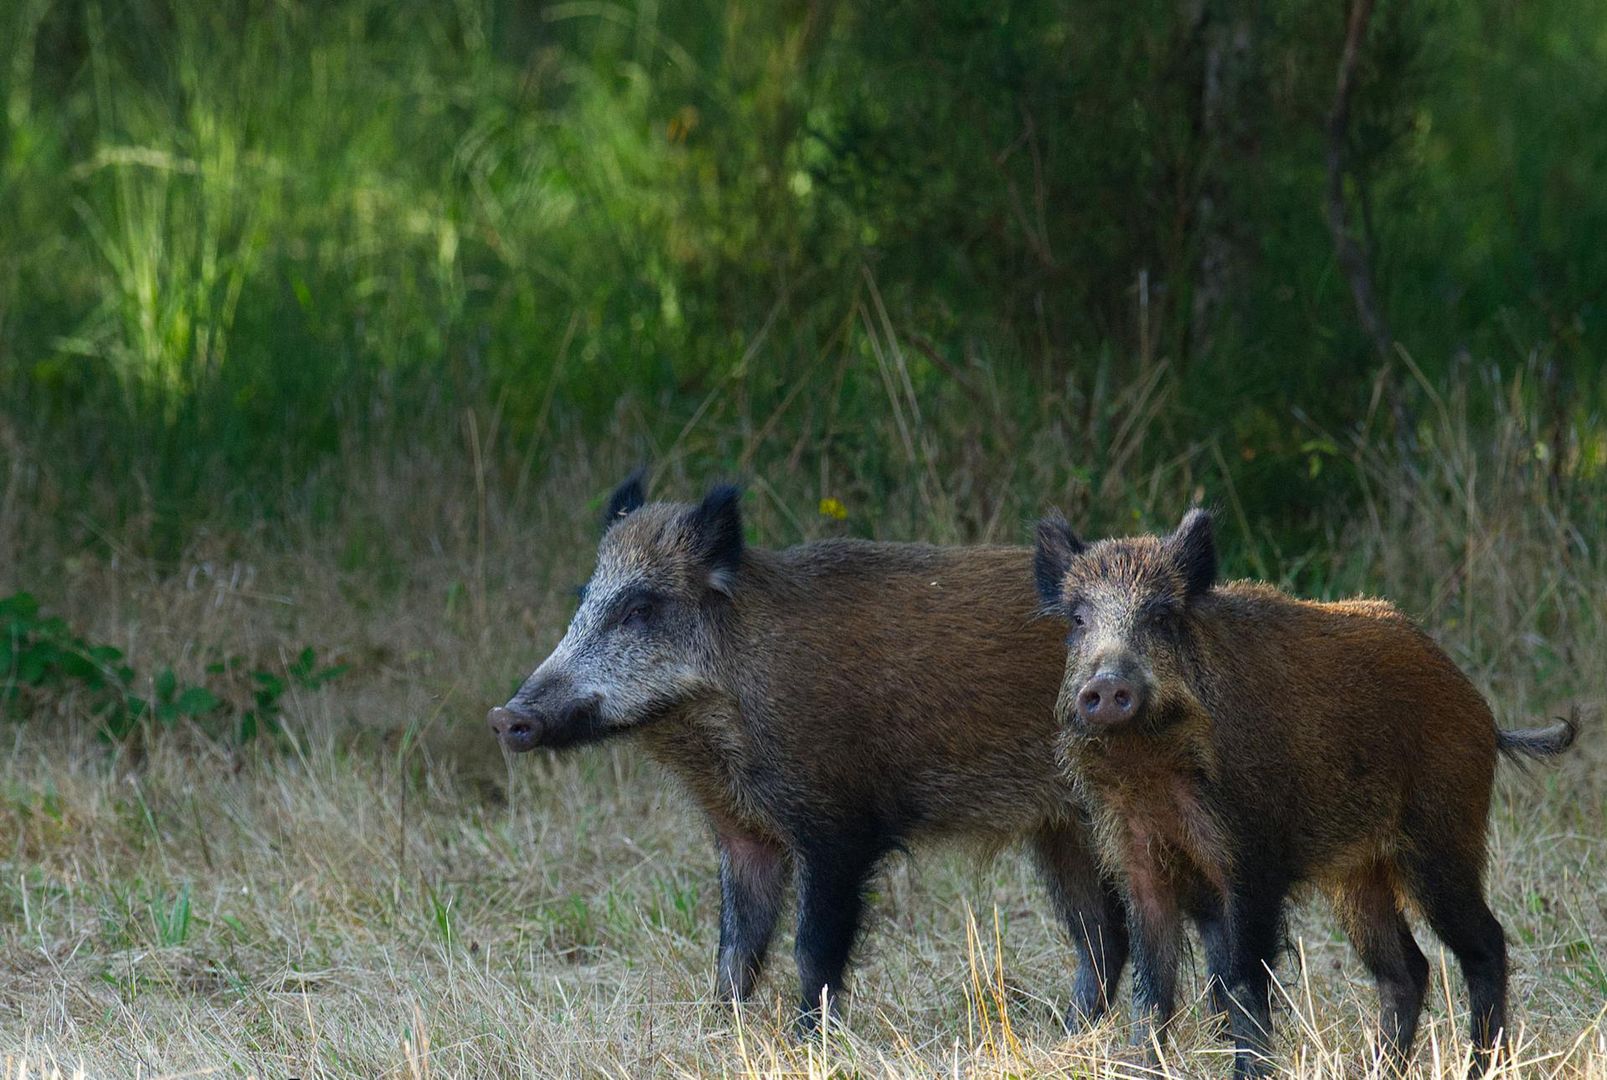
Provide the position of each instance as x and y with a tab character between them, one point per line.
1373	920
1205	908
1090	906
1255	915
1449	890
831	896
753	878
1157	929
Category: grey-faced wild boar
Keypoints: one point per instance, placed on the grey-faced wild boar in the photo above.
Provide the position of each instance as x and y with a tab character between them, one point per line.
824	705
1234	741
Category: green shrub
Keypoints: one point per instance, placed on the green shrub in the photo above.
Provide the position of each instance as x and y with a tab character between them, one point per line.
44	664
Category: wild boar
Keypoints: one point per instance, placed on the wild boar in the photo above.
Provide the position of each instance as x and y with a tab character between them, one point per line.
824	705
1232	741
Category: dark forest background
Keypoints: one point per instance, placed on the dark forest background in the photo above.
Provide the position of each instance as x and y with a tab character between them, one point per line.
989	256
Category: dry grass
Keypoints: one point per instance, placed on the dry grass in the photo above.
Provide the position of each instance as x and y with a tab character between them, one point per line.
391	898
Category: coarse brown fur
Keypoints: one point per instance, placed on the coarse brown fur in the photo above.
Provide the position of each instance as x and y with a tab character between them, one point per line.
1271	743
825	705
911	682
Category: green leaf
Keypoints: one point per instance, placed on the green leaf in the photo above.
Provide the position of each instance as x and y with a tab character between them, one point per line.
50	628
19	606
120	721
334	671
173	927
196	701
76	665
34	664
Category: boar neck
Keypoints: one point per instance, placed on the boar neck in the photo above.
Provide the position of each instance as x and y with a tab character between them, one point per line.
1150	754
1150	789
706	746
726	747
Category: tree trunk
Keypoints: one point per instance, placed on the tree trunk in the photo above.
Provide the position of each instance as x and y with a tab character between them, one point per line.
1354	261
1224	32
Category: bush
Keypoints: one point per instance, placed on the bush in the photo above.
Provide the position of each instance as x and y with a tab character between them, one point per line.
44	665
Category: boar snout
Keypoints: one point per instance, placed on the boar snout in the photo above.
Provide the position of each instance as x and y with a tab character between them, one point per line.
515	730
554	718
1107	699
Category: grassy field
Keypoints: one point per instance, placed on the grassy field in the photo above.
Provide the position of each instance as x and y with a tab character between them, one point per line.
382	894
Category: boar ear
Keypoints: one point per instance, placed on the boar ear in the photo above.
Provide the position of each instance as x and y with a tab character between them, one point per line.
717	535
1057	545
1194	548
629	496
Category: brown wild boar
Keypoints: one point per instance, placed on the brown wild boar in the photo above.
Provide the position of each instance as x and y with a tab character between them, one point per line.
824	705
1234	742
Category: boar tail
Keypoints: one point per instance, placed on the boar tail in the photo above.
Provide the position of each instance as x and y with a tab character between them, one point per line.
1540	742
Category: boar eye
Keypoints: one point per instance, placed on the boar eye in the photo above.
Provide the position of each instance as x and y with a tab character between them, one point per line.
1079	618
637	615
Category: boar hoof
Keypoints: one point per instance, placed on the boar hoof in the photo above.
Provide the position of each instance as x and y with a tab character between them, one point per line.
809	1021
807	1024
1218	1016
1083	1016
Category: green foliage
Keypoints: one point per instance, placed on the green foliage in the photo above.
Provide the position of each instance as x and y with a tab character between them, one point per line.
36	651
440	907
239	241
173	925
42	663
169	702
263	689
41	658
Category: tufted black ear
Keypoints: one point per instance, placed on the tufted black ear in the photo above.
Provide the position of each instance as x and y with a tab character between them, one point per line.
629	496
1056	546
1194	548
716	525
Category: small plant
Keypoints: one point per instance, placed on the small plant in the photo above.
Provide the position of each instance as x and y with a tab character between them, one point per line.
173	925
42	662
441	908
38	652
40	659
169	703
259	691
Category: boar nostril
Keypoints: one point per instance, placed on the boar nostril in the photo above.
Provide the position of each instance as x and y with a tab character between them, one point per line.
1107	698
507	724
